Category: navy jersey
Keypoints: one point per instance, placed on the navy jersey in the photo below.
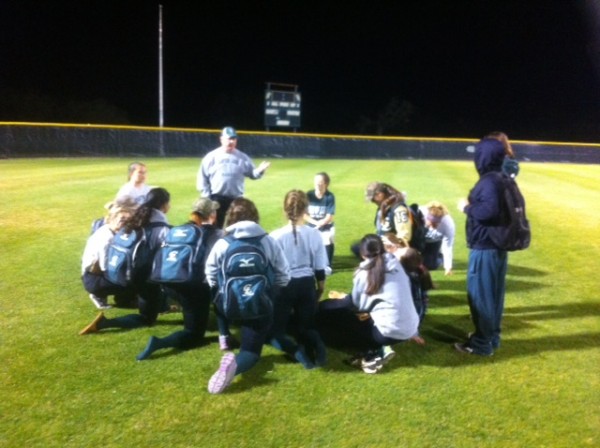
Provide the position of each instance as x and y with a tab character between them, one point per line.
319	208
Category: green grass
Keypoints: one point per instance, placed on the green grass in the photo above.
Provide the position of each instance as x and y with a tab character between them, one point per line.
58	389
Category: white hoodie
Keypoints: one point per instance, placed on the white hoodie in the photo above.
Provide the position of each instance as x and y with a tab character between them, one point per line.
391	308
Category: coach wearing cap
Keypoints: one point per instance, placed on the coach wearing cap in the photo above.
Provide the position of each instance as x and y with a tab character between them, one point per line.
222	172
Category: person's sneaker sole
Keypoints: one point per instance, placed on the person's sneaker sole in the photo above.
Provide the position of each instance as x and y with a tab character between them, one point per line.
93	327
98	303
224	376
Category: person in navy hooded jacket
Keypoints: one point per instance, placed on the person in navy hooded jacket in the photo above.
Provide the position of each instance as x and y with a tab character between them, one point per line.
486	276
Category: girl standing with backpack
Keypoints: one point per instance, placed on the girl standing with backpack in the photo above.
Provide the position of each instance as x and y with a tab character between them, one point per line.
306	255
241	222
150	218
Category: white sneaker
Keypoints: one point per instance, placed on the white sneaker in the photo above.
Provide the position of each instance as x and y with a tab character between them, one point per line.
100	302
371	366
224	376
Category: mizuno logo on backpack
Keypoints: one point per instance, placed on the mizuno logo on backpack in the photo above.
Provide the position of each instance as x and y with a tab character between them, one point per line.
246	263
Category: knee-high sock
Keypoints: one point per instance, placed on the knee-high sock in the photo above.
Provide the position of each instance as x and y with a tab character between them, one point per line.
128	321
316	343
223	326
284	343
179	339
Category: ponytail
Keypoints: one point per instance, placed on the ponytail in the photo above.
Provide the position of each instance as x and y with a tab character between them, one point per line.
295	205
371	248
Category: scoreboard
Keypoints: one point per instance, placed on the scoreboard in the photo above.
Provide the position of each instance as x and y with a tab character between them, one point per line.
282	108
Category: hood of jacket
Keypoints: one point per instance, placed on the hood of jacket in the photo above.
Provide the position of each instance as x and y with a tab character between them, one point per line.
489	155
245	229
158	216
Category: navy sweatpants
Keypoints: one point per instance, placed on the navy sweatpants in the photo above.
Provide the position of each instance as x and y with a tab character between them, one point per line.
486	285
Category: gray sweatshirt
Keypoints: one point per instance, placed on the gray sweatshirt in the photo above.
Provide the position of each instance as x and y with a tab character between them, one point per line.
392	308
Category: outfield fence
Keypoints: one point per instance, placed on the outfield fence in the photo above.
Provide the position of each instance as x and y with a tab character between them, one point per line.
69	140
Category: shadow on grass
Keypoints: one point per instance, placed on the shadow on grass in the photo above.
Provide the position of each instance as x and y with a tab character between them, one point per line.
441	332
512	285
257	377
513	269
525	271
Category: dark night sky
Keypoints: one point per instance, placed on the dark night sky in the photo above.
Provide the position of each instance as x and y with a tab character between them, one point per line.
467	67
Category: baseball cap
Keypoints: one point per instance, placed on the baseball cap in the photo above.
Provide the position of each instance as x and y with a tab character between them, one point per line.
228	131
370	191
205	207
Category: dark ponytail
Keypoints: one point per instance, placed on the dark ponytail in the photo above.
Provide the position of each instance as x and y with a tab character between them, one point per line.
157	198
371	248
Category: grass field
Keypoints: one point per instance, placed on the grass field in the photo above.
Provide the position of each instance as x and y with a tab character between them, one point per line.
58	389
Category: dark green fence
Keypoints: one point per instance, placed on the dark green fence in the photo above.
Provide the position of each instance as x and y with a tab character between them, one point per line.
57	140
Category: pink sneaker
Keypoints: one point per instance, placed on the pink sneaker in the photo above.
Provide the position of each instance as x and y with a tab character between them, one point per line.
224	342
224	376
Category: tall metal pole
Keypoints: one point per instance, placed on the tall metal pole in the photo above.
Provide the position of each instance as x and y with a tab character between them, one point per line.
161	119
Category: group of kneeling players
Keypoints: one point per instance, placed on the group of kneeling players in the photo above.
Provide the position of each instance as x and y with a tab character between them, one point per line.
386	305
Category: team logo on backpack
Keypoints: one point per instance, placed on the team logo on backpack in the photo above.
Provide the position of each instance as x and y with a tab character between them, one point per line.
513	232
181	257
244	280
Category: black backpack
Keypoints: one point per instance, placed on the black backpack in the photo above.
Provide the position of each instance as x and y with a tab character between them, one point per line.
513	232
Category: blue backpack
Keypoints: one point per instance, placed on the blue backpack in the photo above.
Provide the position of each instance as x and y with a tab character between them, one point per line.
96	224
129	256
180	259
245	280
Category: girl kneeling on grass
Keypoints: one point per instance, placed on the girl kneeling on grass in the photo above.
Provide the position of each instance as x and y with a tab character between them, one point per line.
381	293
242	222
93	261
304	249
151	216
194	296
